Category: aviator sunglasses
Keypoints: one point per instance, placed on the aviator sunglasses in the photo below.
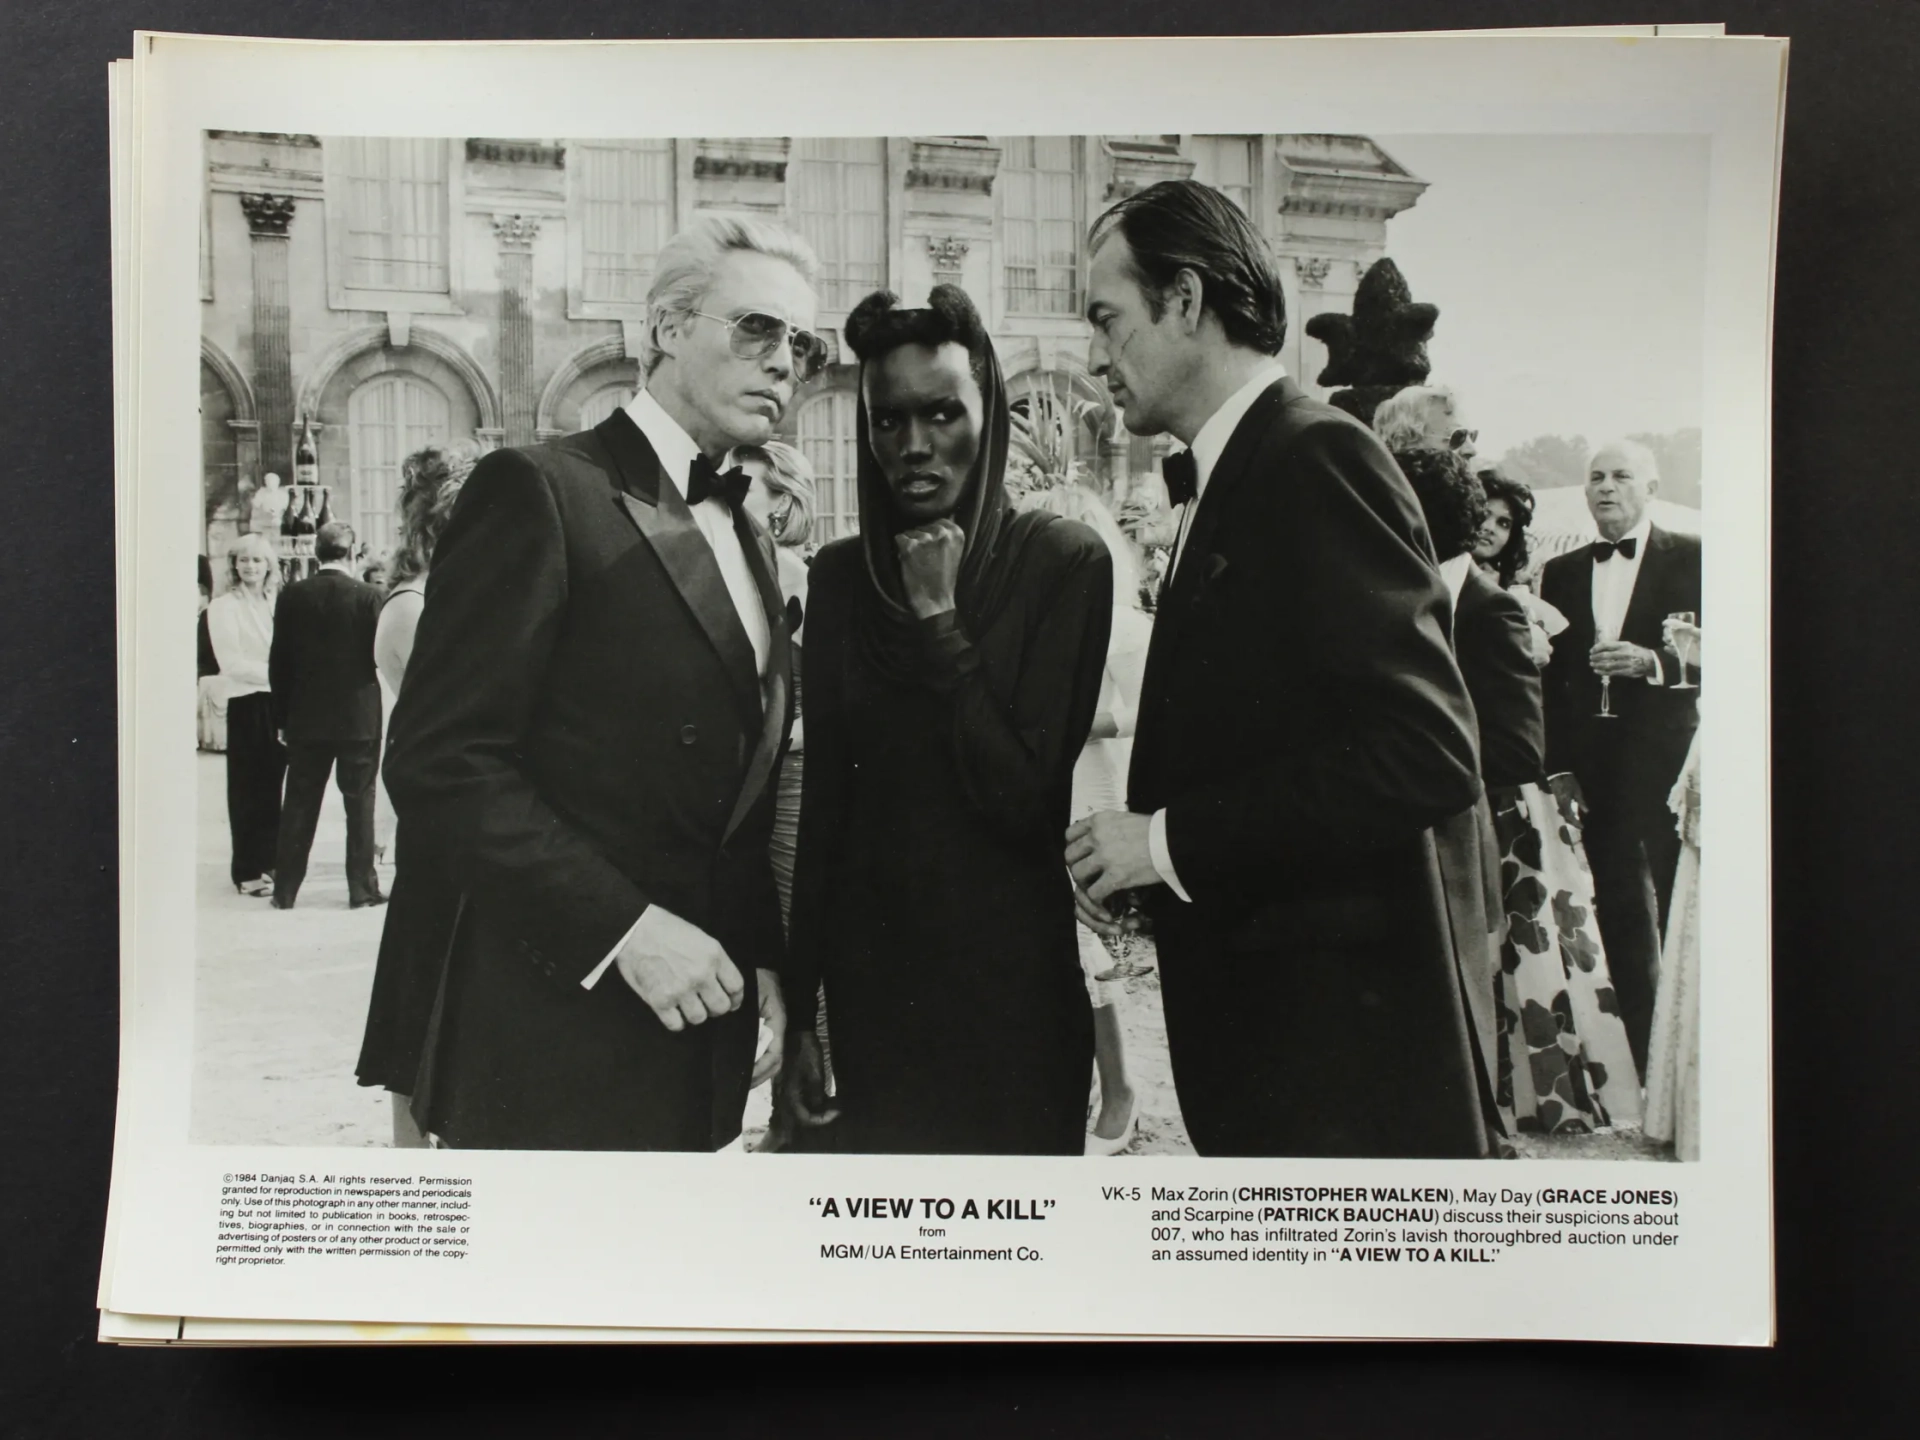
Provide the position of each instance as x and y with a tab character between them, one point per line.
756	335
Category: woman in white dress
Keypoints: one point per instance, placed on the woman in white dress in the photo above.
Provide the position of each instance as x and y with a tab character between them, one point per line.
240	630
1673	1052
1100	783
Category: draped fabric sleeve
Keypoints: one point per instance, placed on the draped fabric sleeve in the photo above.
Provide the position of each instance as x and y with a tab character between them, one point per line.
1015	752
1493	642
1127	667
826	781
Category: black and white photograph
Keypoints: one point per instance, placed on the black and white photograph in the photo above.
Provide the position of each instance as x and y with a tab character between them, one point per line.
976	645
770	685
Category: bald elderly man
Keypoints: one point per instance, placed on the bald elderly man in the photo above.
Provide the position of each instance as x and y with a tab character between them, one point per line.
1619	769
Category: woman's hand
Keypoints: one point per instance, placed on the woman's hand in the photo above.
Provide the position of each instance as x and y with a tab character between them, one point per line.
930	566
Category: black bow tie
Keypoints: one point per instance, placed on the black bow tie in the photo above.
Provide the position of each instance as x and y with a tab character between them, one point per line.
1182	476
1604	549
704	482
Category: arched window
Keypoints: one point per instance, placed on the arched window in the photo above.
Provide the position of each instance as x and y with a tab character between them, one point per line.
603	402
828	441
388	418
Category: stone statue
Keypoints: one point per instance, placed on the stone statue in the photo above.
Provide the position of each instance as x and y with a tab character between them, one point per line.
269	505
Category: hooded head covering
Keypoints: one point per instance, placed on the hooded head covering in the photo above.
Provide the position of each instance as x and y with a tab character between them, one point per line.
997	535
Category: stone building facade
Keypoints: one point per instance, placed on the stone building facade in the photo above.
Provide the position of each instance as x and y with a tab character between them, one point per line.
389	292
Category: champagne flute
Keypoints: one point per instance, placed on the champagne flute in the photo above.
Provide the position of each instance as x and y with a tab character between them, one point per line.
1607	635
1682	646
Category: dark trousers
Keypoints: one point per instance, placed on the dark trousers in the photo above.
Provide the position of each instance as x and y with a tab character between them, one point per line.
256	764
1633	853
355	764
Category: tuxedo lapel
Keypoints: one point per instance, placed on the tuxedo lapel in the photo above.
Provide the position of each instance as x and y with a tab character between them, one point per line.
1177	596
657	509
773	719
1640	618
1234	463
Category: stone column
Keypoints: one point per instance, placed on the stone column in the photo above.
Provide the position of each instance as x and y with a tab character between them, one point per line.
268	219
515	235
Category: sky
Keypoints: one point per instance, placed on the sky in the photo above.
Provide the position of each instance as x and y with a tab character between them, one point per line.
1570	272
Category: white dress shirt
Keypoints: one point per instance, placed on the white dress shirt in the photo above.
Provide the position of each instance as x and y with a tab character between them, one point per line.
676	450
1208	445
1613	581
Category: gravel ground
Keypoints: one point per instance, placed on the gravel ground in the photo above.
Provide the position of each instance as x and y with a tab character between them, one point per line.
281	997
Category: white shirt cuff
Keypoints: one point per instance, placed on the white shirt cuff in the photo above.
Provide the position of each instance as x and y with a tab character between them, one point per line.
593	976
1659	675
1163	857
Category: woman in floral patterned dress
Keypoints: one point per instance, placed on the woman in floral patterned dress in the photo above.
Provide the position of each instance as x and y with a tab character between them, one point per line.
1564	1063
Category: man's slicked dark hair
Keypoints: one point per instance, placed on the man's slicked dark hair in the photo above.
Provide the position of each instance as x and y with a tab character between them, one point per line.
1183	225
878	325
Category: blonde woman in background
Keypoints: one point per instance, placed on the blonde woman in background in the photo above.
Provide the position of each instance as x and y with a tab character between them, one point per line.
782	500
1100	783
240	630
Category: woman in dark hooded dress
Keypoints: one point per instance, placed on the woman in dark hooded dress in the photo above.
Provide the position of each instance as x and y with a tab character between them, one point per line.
954	656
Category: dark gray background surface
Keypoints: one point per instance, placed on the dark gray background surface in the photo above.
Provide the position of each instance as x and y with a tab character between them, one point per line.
1845	586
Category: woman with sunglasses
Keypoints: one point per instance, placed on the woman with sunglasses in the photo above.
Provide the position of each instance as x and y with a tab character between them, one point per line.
1426	417
954	659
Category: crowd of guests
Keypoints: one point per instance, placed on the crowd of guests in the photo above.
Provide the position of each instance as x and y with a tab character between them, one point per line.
1385	809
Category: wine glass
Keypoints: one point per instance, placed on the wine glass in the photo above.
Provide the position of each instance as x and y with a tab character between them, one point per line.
1682	645
1607	634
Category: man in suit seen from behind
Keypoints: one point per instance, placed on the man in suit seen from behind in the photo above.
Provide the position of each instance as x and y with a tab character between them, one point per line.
326	701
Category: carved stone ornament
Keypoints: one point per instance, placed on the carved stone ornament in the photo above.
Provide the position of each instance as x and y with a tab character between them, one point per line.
268	214
948	253
549	154
953	163
761	158
1313	270
1138	164
516	232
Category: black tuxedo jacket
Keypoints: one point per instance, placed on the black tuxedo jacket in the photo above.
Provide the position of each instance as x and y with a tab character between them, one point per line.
325	689
1632	761
1492	641
582	734
1304	725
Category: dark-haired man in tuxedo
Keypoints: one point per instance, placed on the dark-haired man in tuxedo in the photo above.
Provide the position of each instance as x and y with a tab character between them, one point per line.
326	702
596	698
1616	772
1302	726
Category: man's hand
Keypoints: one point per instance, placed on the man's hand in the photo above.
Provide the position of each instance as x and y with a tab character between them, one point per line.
1096	917
930	566
773	1015
803	1084
679	970
1108	852
1622	660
